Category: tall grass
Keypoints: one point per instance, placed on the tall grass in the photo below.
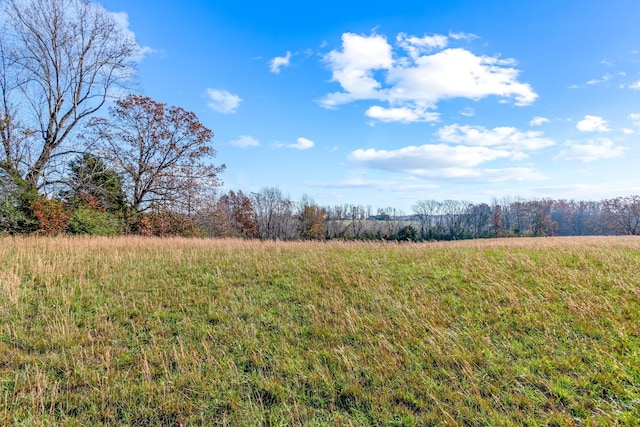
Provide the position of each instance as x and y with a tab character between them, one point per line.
135	331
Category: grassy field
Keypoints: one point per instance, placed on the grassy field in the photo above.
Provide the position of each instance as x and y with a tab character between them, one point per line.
134	331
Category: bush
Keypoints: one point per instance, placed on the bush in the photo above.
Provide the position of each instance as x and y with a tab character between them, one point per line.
12	218
87	220
166	223
51	215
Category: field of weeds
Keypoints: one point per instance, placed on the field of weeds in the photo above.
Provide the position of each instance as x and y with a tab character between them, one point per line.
134	331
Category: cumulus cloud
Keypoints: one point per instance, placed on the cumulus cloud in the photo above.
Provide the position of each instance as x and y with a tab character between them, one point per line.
302	144
538	121
245	141
592	124
279	62
602	148
223	101
635	118
417	74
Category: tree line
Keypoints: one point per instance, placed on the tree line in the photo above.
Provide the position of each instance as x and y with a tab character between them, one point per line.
270	215
144	166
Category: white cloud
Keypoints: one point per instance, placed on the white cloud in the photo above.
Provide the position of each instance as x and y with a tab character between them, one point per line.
412	78
442	161
506	138
353	67
417	160
602	148
280	61
485	175
468	112
592	124
383	185
462	36
416	46
402	114
538	121
603	79
458	157
122	19
302	144
635	85
223	101
635	118
245	141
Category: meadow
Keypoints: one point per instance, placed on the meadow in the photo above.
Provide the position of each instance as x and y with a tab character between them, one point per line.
146	331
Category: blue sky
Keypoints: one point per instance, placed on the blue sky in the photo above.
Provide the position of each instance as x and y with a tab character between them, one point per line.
388	103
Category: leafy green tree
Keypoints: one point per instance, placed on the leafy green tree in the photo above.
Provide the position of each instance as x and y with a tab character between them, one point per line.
16	205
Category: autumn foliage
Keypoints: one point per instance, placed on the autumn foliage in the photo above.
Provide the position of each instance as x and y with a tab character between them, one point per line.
161	153
51	215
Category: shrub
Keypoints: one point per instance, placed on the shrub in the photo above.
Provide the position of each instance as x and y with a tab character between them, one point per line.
87	220
51	215
12	218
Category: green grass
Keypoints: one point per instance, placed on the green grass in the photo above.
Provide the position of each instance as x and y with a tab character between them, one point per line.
132	331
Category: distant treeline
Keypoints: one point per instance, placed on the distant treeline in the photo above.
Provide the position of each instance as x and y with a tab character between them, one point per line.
99	206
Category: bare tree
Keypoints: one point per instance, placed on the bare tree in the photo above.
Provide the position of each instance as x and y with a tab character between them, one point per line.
160	152
621	215
60	61
456	218
427	212
274	215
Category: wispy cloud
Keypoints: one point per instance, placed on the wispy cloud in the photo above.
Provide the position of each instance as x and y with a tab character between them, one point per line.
635	86
602	148
507	138
603	79
459	154
279	62
462	36
382	185
468	112
222	101
412	77
245	141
